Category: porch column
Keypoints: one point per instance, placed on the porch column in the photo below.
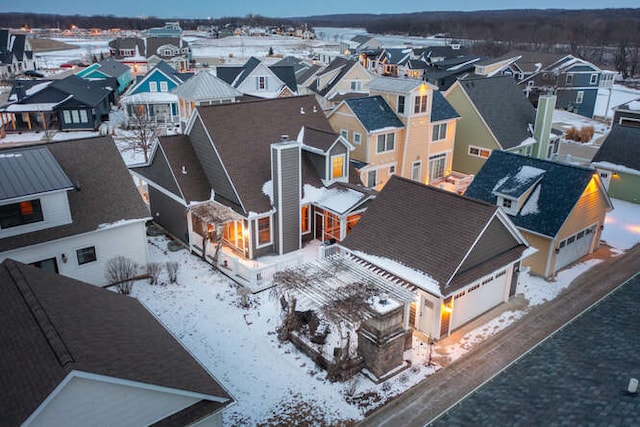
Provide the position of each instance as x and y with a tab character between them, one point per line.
29	121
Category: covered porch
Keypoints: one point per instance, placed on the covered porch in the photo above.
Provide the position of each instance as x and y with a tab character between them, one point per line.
158	108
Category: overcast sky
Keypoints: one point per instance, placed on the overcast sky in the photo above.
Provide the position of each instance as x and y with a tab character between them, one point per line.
281	8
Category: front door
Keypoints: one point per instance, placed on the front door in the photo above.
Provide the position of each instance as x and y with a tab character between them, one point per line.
49	264
319	223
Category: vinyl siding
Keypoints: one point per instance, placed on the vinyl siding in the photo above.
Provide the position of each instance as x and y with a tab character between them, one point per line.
55	212
287	201
211	163
470	130
343	118
537	262
120	405
170	214
160	173
625	187
128	240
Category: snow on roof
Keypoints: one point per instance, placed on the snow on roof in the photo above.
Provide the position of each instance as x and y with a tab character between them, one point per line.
121	223
267	190
149	97
418	278
37	88
517	184
531	206
616	168
529	141
23	108
338	200
634	105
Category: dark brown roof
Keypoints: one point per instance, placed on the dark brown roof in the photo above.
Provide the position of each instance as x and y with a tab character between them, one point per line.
320	139
422	227
243	132
53	325
105	191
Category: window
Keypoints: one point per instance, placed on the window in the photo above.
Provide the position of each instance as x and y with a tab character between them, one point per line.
344	133
261	82
386	142
392	170
153	86
83	116
233	233
356	85
337	166
75	117
594	79
372	178
21	213
439	132
401	104
506	203
416	171
420	105
164	87
305	225
167	52
66	116
86	255
437	166
579	97
569	79
479	152
357	138
264	231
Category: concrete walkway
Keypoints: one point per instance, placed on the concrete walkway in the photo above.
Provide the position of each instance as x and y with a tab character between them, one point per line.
433	396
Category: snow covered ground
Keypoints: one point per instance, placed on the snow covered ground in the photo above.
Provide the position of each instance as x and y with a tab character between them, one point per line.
239	346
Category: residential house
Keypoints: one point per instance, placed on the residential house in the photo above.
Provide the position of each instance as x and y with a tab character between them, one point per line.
445	73
130	51
618	162
559	208
461	257
406	128
71	103
257	79
392	60
574	81
304	71
342	76
77	355
170	29
151	98
69	207
173	50
106	68
496	115
261	177
16	54
202	89
363	42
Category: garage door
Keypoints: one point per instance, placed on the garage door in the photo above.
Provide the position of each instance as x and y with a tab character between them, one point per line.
477	299
575	247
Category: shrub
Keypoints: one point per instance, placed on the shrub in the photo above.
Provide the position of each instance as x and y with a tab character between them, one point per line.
172	270
153	270
121	271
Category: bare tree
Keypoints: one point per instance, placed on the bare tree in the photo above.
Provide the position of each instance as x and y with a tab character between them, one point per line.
142	134
121	271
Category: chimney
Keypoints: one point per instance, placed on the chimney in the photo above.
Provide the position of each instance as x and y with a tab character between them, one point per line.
286	176
542	127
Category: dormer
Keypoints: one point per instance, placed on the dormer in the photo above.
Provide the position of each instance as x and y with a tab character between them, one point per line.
512	192
328	152
33	191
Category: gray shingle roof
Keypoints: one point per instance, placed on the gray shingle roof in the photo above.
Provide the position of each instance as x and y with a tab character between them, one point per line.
621	147
339	63
30	170
441	109
113	68
374	113
107	193
503	106
54	325
560	189
394	227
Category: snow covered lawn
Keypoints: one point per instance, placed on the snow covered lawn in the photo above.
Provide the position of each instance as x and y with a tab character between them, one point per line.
273	382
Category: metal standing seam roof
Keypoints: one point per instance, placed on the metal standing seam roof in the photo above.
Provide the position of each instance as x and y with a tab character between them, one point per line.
205	86
392	84
26	171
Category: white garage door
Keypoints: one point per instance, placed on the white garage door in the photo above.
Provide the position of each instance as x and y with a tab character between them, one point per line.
477	299
575	247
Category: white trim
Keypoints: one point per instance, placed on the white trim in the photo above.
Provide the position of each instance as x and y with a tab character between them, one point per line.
161	189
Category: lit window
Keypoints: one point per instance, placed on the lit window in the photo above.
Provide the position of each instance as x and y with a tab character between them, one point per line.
420	105
337	167
305	225
86	255
386	142
264	231
16	214
479	152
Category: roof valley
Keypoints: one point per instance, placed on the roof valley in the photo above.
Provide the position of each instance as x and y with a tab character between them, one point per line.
41	317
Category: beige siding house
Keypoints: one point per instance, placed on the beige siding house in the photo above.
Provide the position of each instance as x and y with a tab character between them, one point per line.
340	79
559	208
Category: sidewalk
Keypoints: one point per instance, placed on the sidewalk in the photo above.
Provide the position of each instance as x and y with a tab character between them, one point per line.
440	391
